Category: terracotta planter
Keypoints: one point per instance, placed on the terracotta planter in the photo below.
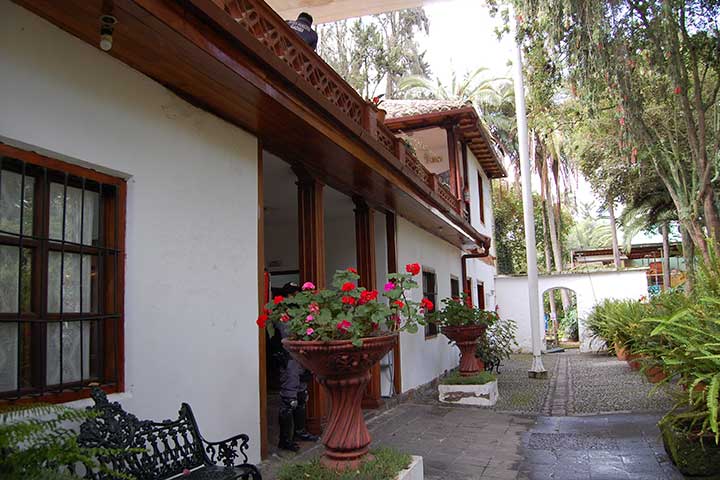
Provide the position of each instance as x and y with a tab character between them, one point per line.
621	352
634	361
344	371
465	338
655	374
381	115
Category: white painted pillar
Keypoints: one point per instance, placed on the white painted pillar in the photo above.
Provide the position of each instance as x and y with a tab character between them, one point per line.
537	370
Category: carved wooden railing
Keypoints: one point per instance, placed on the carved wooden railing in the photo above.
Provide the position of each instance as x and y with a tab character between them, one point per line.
270	30
445	193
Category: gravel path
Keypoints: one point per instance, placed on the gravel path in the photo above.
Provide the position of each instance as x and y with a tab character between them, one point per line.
602	384
520	394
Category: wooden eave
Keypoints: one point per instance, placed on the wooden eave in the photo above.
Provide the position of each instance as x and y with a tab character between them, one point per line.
200	52
469	127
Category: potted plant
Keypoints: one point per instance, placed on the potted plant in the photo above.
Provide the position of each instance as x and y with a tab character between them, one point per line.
497	344
339	334
381	113
687	344
463	324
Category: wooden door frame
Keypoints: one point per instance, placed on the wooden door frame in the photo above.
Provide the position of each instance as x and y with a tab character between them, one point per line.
311	263
262	343
392	267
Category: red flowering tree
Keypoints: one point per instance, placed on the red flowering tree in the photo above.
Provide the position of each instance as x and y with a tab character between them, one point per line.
347	311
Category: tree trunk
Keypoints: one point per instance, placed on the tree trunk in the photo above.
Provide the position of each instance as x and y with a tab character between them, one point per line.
548	267
689	256
555	242
666	255
613	229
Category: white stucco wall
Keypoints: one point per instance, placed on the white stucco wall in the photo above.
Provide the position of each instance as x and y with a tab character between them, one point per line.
423	360
191	271
590	288
486	227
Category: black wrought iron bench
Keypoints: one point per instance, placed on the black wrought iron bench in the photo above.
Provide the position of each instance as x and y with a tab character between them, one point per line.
160	450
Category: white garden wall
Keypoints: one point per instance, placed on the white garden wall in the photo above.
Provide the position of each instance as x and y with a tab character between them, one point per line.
590	289
191	272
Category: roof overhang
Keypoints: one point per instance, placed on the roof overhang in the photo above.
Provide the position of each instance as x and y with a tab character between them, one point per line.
198	51
471	131
332	10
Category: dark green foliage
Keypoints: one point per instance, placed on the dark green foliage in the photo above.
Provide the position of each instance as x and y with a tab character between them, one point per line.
457	312
456	379
498	343
681	334
691	456
385	466
37	441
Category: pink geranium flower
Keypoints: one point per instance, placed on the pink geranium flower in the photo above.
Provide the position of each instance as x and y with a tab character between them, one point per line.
308	286
314	307
309	319
309	332
389	286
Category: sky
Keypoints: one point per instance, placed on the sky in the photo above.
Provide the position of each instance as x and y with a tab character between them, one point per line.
462	38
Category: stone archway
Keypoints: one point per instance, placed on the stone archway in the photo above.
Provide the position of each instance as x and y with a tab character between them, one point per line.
590	289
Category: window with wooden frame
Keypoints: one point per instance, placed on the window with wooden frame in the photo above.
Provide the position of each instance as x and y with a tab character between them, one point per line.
61	277
454	287
481	198
481	295
429	286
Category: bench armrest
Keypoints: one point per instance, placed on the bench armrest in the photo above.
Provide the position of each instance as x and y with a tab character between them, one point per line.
226	451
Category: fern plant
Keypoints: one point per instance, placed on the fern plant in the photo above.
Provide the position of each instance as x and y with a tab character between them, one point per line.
39	442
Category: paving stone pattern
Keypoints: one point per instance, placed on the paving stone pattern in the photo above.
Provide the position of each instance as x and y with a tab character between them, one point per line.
546	442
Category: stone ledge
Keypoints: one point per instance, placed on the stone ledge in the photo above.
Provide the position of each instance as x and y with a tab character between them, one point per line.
481	395
414	471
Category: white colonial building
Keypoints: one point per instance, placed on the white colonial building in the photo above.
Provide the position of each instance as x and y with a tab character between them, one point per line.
152	194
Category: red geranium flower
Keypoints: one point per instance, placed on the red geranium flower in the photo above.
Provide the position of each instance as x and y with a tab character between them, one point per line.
678	90
343	326
413	268
348	287
427	304
352	270
278	299
367	296
399	303
262	320
348	300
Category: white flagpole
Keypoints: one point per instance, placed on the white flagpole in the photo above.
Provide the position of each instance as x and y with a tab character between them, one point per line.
537	370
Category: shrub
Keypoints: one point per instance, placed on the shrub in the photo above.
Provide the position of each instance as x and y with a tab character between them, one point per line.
498	343
38	442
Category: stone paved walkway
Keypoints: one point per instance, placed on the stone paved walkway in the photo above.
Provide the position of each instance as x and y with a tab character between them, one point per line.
547	431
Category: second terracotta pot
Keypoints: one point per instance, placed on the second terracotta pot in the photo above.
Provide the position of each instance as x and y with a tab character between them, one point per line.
465	337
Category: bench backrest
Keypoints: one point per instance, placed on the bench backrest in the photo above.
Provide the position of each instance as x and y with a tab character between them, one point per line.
162	449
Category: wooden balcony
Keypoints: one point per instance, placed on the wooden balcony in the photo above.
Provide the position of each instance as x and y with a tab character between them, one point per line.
240	61
272	32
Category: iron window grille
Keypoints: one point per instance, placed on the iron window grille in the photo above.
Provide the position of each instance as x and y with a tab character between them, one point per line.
60	276
429	285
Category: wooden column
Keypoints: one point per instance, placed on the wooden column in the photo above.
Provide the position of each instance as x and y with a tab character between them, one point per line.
262	292
392	267
365	258
453	160
311	260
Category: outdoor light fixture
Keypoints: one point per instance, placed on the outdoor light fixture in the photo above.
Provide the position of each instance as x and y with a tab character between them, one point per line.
107	25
